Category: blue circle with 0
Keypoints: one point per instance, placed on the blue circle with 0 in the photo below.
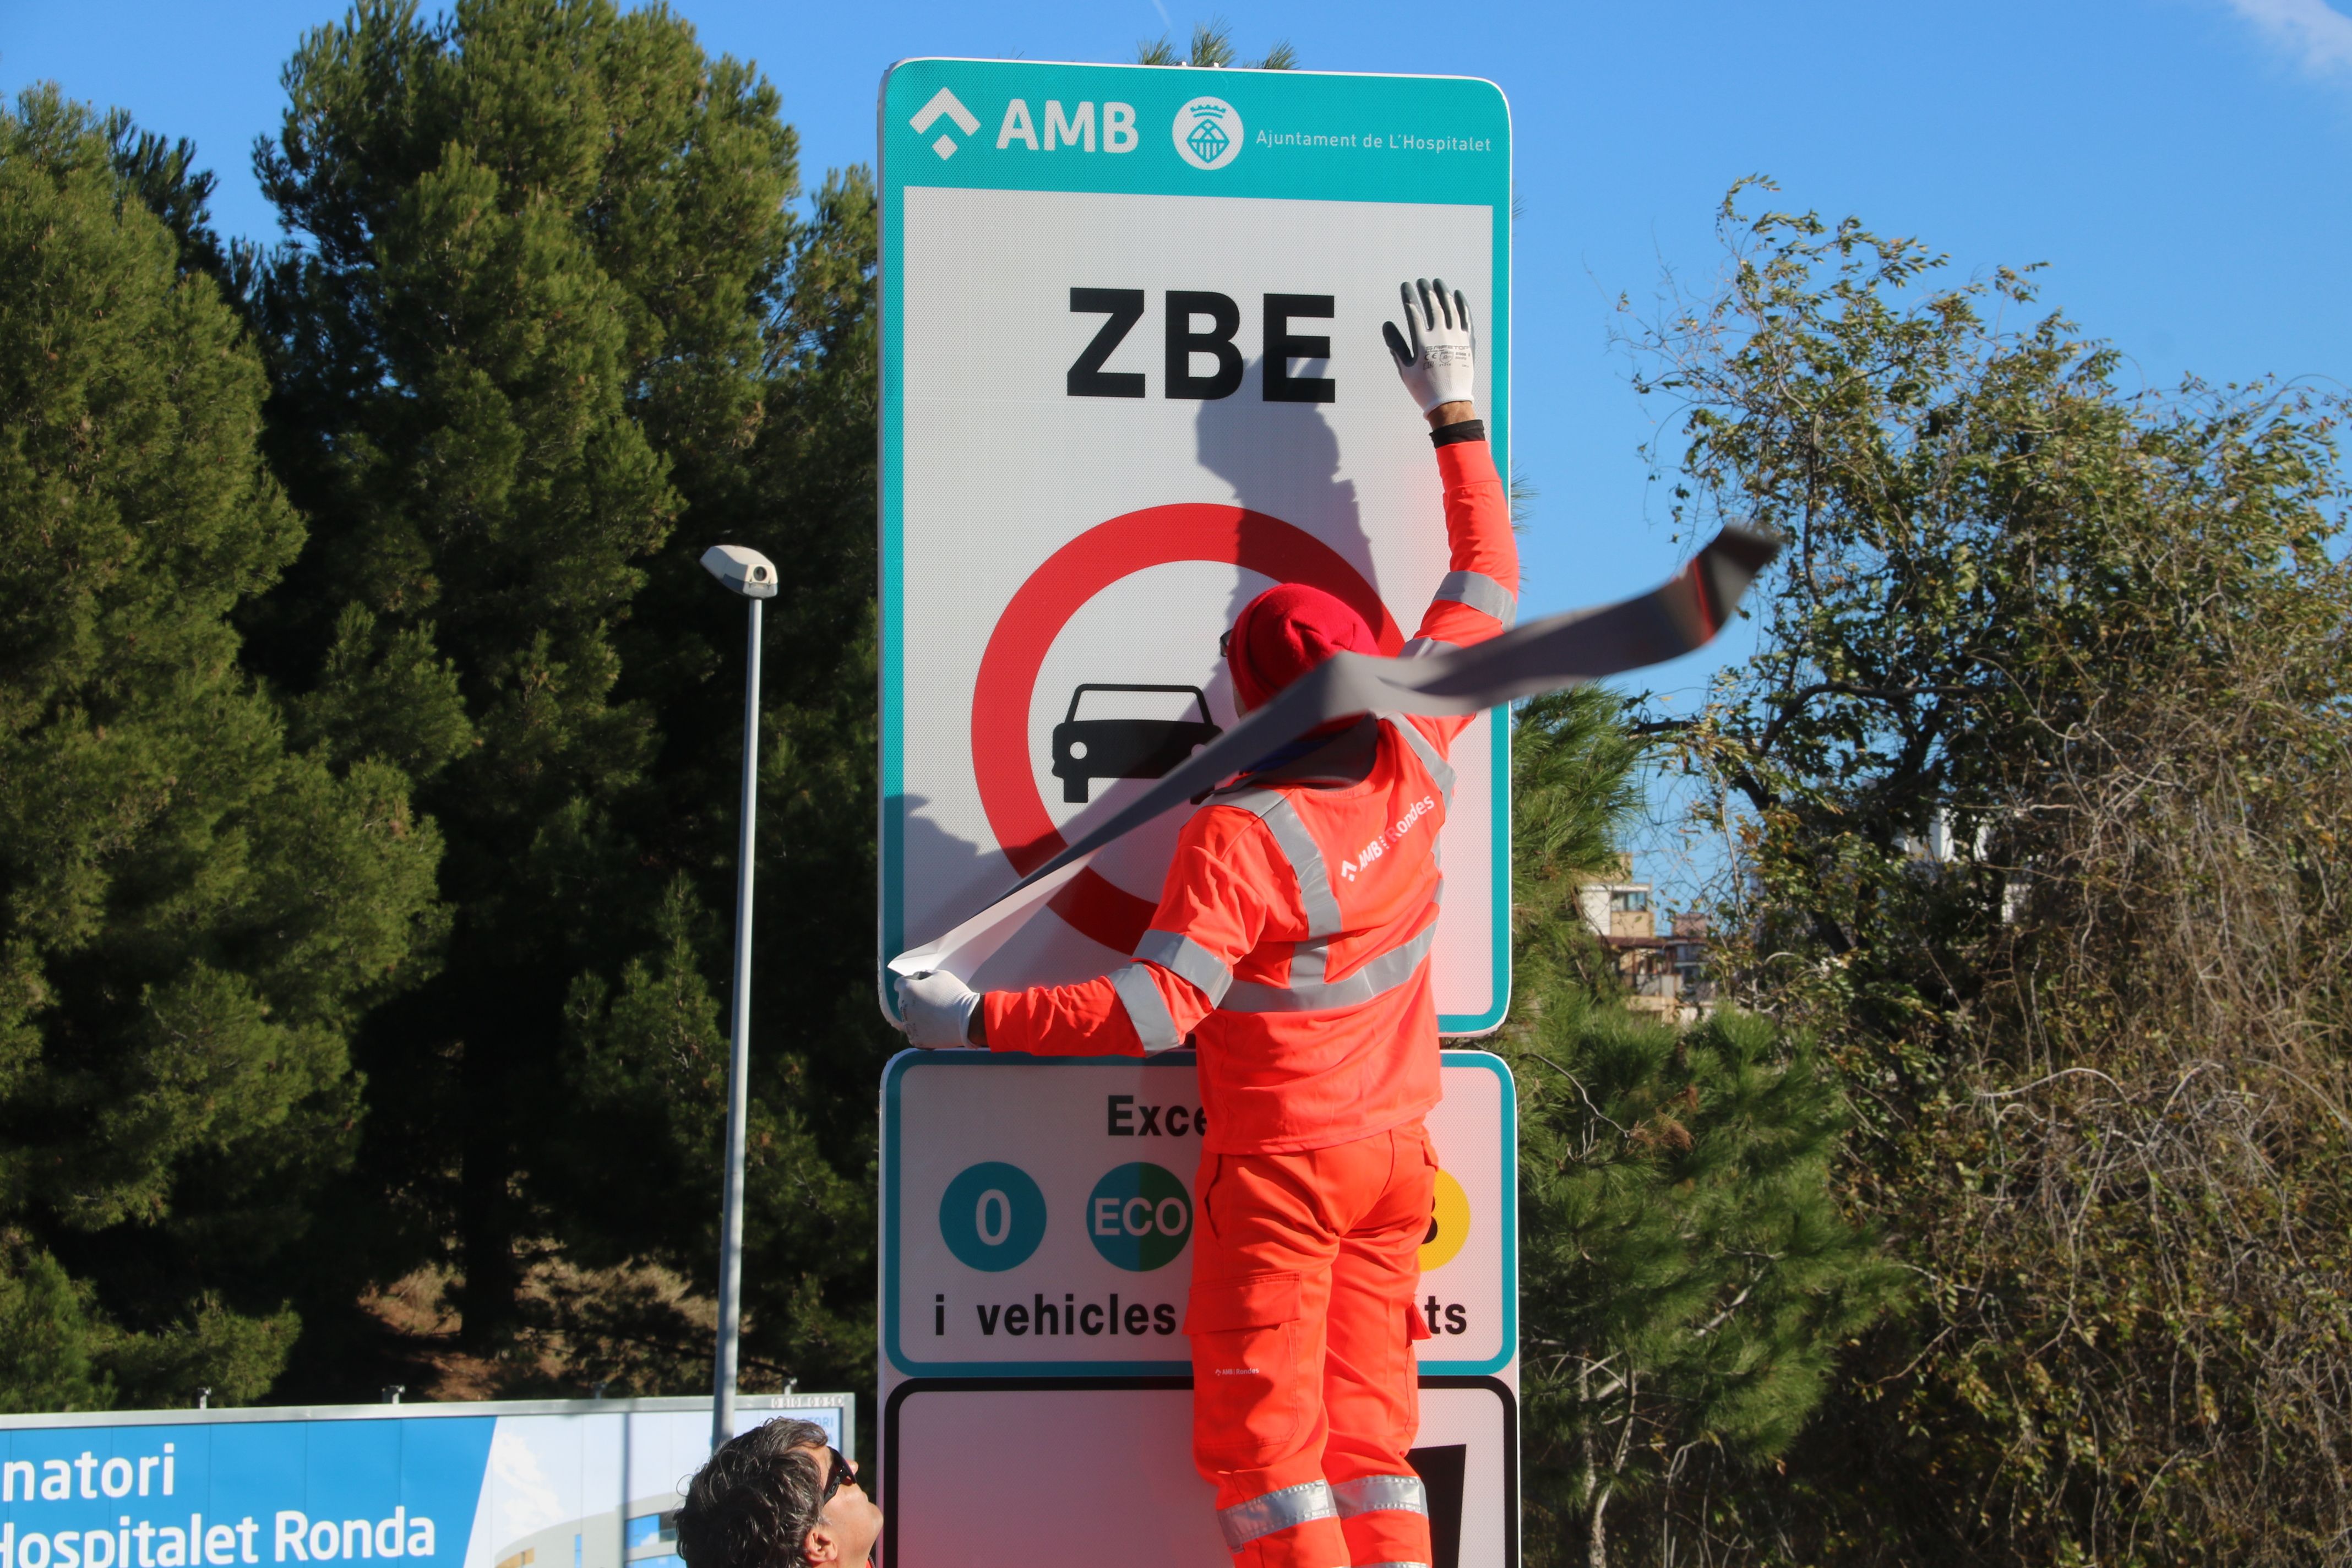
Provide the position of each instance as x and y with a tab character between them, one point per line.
992	1216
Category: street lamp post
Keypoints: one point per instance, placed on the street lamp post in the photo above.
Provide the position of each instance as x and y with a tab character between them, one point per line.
753	575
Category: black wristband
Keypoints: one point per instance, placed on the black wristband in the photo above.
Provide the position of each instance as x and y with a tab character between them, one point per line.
1461	430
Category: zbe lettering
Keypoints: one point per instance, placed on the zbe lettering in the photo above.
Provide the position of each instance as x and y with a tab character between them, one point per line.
1185	343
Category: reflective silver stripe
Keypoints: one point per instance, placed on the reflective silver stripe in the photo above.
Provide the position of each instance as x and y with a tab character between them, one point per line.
1284	1510
1384	974
1394	1565
1371	1494
1146	1008
1422	648
1314	896
1481	593
1309	961
1439	769
1181	956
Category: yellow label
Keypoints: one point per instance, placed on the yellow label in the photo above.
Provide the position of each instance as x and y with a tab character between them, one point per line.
1449	1225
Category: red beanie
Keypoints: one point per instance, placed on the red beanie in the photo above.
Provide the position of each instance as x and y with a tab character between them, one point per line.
1287	631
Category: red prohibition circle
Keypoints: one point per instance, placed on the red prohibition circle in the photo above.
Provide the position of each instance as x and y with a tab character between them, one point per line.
1132	542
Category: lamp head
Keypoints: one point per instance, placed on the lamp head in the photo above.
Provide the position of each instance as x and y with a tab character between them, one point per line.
745	572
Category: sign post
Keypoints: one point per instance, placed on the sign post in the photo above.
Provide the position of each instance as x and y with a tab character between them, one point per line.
1133	375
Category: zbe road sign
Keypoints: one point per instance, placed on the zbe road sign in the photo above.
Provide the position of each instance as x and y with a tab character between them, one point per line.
1132	375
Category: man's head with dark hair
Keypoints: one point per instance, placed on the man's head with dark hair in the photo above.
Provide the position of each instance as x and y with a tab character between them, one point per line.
761	1502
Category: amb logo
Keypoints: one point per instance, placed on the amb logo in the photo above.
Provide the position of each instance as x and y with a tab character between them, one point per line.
1208	133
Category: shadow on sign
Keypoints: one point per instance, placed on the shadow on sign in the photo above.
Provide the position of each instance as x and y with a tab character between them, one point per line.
1441	1470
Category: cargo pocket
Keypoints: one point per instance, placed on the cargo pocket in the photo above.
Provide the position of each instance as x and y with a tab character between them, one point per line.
1250	1393
1416	1327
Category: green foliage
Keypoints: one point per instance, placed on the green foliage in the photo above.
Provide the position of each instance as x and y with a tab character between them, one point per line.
1688	1276
2043	769
547	329
1686	1272
62	1353
1573	785
164	178
210	1353
193	915
45	1337
1213	49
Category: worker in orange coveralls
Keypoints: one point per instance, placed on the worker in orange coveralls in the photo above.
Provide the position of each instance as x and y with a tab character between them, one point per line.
1291	948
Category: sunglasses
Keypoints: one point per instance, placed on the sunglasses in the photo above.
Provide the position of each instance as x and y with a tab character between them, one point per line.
840	1471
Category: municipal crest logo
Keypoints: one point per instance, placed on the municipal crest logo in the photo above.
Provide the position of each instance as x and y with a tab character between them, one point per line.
1208	133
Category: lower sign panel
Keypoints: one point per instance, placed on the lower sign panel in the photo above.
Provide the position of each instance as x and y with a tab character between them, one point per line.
1010	1472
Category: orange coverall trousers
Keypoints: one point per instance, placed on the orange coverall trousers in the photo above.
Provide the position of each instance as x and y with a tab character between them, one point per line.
1302	1317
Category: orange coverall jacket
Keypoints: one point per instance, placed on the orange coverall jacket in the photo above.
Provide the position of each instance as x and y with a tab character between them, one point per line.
1291	942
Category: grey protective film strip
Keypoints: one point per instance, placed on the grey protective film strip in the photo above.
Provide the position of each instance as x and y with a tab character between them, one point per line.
1482	593
1181	956
1549	655
1146	1008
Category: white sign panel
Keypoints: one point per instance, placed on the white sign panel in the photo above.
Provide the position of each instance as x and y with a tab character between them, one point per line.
1037	1215
1122	1488
1133	375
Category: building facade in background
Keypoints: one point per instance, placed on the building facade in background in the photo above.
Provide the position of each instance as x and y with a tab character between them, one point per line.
1664	975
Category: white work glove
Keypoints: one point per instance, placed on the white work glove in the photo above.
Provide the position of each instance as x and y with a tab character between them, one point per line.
1436	354
937	1008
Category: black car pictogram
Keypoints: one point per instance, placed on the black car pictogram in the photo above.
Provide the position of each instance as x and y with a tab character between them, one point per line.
1089	749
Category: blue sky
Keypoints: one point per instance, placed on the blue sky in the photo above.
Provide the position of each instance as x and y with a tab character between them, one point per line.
2179	165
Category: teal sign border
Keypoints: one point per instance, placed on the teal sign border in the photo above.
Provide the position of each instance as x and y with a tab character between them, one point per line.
894	1078
1441	140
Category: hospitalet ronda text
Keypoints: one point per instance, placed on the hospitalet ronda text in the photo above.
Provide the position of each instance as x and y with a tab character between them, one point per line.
182	1543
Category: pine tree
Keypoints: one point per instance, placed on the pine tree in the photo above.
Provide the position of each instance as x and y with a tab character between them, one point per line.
192	912
548	330
806	497
1686	1273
